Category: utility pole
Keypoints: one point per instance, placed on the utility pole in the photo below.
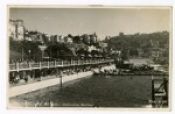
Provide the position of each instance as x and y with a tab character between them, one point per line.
153	97
61	80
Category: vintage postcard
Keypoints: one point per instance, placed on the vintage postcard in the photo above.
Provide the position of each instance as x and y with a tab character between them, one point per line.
89	56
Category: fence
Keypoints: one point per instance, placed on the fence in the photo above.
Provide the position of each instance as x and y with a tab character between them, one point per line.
55	64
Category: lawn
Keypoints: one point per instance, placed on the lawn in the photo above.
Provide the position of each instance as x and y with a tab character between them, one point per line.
121	91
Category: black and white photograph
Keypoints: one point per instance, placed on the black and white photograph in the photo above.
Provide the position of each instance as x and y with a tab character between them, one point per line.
89	57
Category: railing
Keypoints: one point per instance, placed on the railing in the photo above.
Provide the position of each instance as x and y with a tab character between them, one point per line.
55	64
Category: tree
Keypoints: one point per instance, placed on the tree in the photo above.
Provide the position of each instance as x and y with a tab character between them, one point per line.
76	39
27	50
58	50
144	42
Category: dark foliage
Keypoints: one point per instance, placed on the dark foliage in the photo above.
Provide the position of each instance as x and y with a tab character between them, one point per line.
26	49
139	44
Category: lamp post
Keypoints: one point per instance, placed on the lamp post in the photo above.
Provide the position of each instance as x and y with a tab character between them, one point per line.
42	47
22	54
29	54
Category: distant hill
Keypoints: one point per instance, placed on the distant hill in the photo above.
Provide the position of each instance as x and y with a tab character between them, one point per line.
135	44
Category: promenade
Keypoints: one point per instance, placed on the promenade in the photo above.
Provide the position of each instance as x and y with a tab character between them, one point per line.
22	89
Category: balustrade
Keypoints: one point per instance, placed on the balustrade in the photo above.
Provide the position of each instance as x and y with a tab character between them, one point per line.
52	64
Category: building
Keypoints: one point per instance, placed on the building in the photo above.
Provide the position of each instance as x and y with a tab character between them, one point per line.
86	39
27	36
68	39
103	45
93	38
16	29
34	36
60	38
53	38
91	48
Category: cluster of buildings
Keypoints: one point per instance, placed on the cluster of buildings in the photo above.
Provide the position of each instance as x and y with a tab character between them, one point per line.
87	42
18	32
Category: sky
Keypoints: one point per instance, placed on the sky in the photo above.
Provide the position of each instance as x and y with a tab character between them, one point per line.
103	21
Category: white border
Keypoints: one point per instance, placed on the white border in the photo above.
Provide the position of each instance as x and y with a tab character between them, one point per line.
3	45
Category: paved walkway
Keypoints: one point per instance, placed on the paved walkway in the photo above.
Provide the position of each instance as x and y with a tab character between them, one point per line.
18	90
22	89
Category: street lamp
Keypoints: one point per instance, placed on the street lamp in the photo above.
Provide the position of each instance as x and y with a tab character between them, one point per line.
22	54
42	47
29	54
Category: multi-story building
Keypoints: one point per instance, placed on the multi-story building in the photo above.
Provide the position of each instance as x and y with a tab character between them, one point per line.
59	38
16	29
86	39
93	38
53	38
